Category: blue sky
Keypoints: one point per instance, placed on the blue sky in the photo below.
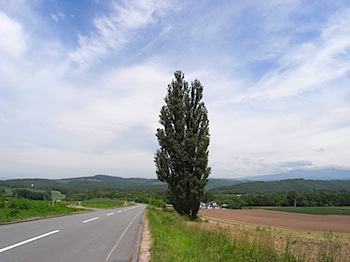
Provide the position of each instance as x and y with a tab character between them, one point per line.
82	84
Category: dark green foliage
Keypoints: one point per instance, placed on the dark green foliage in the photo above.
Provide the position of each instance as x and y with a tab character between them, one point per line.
284	186
34	195
214	183
29	182
2	200
182	160
139	196
126	184
292	198
302	199
208	196
159	203
104	181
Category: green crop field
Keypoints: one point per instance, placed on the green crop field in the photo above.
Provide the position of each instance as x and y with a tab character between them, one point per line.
314	210
103	203
57	195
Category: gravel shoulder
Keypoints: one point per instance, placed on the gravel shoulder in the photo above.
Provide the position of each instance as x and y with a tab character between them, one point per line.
146	241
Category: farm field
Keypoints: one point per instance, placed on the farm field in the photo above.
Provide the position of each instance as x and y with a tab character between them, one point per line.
222	239
57	195
103	203
286	220
313	210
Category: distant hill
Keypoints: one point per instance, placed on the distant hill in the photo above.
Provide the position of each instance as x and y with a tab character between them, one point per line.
315	174
219	182
103	181
293	180
92	182
299	185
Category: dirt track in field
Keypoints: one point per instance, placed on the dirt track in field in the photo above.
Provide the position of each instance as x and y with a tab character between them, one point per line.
277	219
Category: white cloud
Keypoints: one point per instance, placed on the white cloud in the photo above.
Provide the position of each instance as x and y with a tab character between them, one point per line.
290	111
121	102
12	42
35	161
309	66
275	82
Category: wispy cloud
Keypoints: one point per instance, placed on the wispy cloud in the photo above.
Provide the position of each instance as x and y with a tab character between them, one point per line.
82	94
114	30
57	17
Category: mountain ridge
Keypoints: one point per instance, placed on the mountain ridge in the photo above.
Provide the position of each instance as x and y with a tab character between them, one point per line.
123	184
312	174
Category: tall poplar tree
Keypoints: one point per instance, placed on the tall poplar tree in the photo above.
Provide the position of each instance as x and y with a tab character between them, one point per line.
182	160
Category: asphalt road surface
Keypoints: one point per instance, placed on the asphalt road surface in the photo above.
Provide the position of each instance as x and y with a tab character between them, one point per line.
103	235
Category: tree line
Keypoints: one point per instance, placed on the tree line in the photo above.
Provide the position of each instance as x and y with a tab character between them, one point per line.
31	194
302	199
292	198
162	197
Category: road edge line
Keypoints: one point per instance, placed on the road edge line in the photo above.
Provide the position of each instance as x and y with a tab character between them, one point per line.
126	229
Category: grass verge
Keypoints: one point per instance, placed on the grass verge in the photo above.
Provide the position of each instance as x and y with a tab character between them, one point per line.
22	209
175	239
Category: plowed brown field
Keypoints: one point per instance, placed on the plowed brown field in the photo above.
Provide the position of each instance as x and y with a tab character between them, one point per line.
277	219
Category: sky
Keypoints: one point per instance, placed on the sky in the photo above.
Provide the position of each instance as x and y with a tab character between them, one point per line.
82	83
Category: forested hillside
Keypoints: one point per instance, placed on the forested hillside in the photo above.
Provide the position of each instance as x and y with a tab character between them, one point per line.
298	185
97	181
223	185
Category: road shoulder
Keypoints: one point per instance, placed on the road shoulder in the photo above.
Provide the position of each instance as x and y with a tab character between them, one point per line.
146	241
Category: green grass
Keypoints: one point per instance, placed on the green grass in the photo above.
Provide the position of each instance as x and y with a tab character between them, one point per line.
175	239
103	203
314	210
22	209
9	191
57	195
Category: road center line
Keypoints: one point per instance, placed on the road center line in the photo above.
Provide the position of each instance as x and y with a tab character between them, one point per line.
89	220
120	211
28	240
110	214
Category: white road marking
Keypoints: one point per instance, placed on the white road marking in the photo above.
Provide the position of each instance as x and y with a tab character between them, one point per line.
110	214
120	211
28	240
89	220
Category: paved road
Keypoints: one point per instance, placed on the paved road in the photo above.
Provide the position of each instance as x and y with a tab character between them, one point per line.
104	235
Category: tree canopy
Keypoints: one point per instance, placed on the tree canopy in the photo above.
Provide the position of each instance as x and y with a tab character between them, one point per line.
182	160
